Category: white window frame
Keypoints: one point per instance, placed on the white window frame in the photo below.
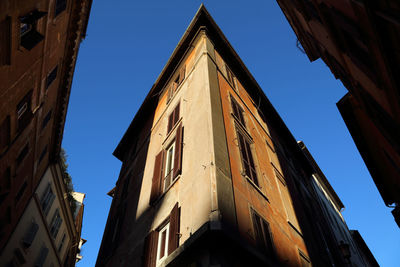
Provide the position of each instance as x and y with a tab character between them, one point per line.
165	229
169	164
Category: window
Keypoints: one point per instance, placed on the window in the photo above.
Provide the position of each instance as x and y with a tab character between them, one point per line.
169	159
175	84
30	234
5	41
162	246
230	77
24	112
18	258
41	258
237	112
262	234
163	241
168	165
20	192
247	157
46	119
60	6
173	118
4	134
47	199
29	35
51	77
44	152
60	246
55	224
22	154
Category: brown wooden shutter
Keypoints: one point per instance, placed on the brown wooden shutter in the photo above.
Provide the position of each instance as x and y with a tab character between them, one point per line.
150	249
156	183
182	74
173	240
176	114
170	122
178	151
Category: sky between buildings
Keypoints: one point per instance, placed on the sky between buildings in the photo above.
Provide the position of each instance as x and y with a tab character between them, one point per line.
128	44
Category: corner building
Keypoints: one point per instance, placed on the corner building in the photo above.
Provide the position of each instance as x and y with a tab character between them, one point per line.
208	170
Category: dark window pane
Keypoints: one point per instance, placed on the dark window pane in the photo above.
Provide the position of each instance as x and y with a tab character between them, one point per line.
51	77
22	154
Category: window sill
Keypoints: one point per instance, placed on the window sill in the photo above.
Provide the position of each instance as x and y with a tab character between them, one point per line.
256	187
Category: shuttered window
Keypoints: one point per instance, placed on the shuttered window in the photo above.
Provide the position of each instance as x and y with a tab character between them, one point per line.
162	242
55	224
46	119
51	77
175	84
60	246
230	77
47	199
173	118
263	234
237	112
21	192
30	234
167	166
247	157
43	154
5	41
22	154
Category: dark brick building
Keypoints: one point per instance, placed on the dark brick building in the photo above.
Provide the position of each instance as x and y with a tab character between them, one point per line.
39	42
360	42
211	175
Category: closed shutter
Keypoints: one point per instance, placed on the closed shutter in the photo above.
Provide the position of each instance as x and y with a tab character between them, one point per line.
176	113
173	118
170	122
150	249
173	239
5	41
178	151
182	74
156	183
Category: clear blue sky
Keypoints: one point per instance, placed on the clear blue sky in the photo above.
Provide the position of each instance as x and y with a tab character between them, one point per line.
127	45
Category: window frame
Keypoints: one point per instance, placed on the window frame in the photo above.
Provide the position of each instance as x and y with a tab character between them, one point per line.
262	233
164	228
250	158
